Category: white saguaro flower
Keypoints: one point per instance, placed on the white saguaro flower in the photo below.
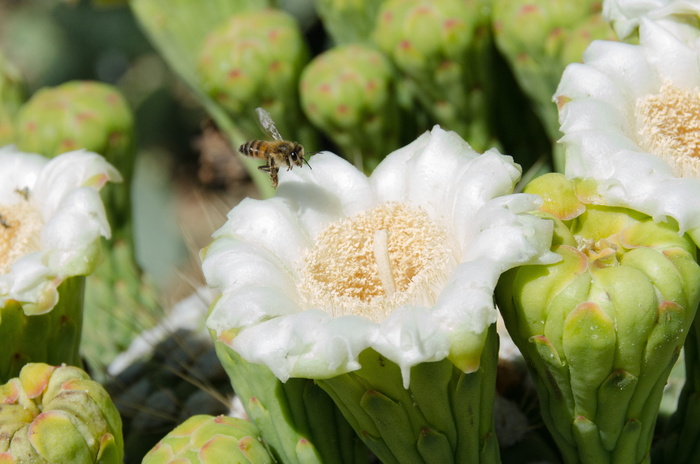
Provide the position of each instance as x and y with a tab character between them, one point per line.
631	118
404	262
625	15
51	220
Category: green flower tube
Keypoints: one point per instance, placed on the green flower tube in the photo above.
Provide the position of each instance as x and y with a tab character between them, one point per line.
57	415
52	223
206	439
298	421
348	92
380	289
602	328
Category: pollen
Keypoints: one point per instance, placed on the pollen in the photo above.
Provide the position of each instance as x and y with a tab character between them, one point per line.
20	228
376	261
669	126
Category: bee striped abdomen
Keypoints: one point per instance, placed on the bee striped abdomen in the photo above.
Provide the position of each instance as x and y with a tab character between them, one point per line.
254	148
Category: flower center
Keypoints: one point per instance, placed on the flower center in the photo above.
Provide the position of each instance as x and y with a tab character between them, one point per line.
669	126
601	253
372	263
20	228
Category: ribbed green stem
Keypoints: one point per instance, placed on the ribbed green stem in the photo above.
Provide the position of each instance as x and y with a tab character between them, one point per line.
683	433
444	416
621	431
298	421
52	338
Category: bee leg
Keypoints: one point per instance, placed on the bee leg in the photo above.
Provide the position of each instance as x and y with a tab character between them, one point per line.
273	176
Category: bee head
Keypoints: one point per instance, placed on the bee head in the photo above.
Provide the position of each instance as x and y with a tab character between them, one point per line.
296	156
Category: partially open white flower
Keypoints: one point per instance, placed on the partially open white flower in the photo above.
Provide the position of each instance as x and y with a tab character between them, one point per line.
626	15
631	119
52	218
404	262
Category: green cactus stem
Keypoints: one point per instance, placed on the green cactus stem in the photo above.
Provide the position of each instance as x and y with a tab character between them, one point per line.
297	420
444	416
52	338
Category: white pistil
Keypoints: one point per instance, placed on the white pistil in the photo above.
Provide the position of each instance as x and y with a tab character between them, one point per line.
380	248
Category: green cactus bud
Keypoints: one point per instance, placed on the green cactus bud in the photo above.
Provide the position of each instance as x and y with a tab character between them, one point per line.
348	93
206	439
11	98
253	60
83	115
603	327
57	415
348	21
538	39
78	114
298	421
439	47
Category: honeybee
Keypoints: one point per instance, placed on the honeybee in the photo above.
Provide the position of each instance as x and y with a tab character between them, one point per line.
276	153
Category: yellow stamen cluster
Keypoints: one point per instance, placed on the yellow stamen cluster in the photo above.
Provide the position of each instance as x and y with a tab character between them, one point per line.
371	263
669	126
20	228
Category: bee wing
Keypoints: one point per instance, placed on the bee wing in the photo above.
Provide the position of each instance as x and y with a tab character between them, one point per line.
267	124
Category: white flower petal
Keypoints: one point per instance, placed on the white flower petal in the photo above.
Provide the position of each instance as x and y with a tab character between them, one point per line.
19	171
626	15
672	57
595	115
626	66
427	165
269	224
252	305
411	335
580	82
68	172
332	189
232	264
307	344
